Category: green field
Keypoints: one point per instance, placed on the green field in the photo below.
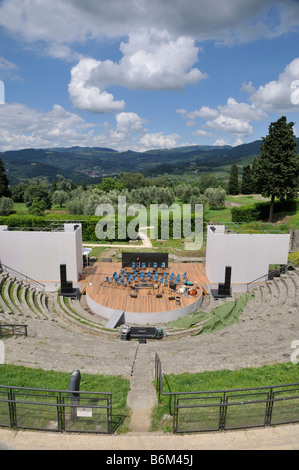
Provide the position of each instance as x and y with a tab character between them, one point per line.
268	375
20	376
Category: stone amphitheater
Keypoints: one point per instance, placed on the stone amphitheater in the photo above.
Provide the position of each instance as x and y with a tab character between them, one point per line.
64	335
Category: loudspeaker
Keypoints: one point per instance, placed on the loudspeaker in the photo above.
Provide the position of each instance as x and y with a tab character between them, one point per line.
159	296
66	287
223	289
228	271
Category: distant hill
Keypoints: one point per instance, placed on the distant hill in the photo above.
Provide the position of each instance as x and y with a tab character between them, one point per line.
94	163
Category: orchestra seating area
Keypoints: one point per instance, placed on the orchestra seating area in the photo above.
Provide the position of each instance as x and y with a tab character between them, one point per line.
142	277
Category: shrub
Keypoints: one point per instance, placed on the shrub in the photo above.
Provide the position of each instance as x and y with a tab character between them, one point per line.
6	205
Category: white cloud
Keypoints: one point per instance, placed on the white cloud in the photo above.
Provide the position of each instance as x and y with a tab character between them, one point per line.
202	133
129	121
244	111
204	112
24	127
231	125
282	94
7	69
151	61
221	142
238	141
233	117
88	97
70	21
158	140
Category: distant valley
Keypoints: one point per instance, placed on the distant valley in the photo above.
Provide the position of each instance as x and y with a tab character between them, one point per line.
91	164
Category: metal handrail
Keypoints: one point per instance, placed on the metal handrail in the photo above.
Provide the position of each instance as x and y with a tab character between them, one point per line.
13	327
223	395
273	272
9	270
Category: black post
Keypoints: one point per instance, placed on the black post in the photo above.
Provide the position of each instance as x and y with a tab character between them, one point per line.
74	387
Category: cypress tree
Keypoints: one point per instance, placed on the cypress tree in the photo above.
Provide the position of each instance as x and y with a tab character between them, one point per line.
4	183
247	183
233	184
278	164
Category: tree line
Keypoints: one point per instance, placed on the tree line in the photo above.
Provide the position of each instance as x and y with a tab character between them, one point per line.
274	174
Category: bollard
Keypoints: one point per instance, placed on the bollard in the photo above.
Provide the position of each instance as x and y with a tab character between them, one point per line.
74	386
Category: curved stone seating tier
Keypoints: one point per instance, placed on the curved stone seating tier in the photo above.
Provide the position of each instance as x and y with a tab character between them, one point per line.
63	335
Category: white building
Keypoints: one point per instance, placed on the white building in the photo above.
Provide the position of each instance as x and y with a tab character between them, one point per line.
39	254
248	255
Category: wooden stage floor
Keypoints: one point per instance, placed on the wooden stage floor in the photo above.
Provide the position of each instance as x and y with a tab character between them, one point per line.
118	297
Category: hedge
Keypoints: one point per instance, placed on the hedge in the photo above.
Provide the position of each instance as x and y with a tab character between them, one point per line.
260	211
88	224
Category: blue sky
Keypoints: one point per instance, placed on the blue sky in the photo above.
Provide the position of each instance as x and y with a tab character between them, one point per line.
136	74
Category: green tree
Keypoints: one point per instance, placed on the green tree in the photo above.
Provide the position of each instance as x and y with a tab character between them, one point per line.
233	184
247	180
6	205
4	183
208	180
108	184
215	197
53	186
59	197
37	191
132	180
18	191
84	185
37	207
277	168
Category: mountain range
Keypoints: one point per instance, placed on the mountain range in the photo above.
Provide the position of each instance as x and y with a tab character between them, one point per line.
91	164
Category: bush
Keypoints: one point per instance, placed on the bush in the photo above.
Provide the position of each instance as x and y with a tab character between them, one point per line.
6	205
244	214
215	197
260	211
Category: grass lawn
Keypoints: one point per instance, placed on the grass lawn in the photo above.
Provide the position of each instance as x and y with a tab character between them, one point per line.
268	375
20	376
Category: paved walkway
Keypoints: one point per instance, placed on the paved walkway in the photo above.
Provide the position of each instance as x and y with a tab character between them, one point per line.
142	395
146	243
276	438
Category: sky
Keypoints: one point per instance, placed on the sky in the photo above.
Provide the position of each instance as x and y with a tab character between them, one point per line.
146	74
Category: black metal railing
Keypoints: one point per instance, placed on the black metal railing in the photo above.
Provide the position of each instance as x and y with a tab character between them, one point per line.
219	410
55	410
272	273
7	330
38	285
